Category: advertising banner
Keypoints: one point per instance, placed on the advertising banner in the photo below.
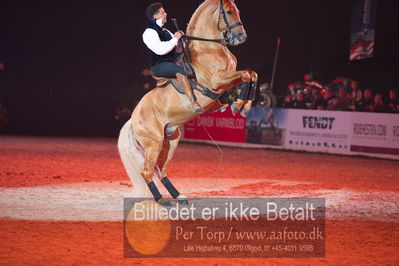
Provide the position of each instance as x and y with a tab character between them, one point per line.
220	126
371	134
374	133
321	131
267	126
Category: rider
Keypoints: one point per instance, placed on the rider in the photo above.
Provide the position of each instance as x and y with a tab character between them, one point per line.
161	44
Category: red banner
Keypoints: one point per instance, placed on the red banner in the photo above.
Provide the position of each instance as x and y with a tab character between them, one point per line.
221	126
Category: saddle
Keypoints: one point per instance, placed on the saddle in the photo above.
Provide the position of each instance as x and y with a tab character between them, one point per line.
162	82
186	65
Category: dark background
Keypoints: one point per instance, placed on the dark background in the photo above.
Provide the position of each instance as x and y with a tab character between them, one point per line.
68	61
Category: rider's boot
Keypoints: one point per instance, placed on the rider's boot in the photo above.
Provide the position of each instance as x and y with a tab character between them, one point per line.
185	85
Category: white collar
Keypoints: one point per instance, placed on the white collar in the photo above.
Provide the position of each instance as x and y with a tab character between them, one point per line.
159	22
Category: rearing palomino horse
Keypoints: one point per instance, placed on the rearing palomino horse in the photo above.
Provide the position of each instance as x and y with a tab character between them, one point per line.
149	139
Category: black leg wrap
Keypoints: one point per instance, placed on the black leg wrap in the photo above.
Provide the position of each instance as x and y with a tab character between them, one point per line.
169	186
244	91
252	93
154	190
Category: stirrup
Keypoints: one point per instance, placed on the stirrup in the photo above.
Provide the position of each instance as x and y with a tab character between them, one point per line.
198	110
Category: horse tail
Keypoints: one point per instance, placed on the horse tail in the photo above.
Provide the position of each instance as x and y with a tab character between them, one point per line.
132	155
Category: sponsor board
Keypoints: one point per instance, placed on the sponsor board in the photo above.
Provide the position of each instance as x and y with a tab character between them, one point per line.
374	133
371	134
321	131
221	126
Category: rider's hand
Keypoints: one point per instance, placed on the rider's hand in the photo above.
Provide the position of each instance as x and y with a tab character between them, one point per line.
178	35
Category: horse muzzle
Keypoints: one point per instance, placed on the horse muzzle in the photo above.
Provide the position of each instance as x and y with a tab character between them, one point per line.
235	39
242	37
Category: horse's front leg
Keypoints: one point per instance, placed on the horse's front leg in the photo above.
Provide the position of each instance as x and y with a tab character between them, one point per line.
248	81
250	95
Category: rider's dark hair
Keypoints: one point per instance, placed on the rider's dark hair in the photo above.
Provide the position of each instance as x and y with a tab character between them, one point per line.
153	9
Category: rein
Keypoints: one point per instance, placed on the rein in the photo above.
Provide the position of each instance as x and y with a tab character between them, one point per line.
221	41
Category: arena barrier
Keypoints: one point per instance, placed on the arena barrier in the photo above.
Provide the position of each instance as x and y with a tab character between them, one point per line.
349	133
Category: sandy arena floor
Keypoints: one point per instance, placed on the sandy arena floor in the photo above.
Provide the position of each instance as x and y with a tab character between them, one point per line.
61	199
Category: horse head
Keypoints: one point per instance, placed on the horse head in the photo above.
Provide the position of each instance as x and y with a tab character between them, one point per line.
229	23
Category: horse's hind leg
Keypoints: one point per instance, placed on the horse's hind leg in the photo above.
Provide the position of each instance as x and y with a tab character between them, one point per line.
168	149
152	148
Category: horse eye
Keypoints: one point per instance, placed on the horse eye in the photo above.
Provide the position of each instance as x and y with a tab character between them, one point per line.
229	12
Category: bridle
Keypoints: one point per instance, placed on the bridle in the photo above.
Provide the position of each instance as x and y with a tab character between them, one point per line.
227	34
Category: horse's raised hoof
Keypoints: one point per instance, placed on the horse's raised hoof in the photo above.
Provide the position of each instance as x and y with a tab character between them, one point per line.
212	111
165	203
218	108
244	112
223	108
182	200
234	108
